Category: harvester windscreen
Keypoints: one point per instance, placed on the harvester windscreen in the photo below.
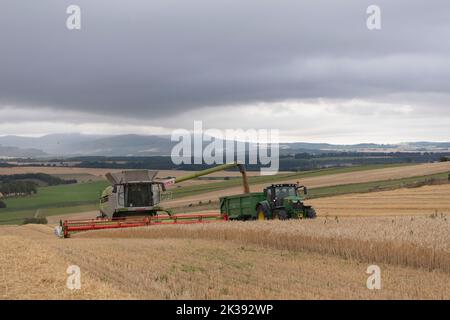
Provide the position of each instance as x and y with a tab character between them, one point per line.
139	195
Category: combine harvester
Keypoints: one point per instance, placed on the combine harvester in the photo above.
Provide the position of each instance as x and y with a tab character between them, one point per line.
133	200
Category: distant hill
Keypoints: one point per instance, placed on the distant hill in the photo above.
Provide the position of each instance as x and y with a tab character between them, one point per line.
54	144
125	145
93	145
160	145
335	147
14	152
424	145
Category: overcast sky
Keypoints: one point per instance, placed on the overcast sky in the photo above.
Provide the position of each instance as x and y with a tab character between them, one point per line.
309	68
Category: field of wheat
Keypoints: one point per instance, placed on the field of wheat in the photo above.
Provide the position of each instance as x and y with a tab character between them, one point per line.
425	200
216	261
419	242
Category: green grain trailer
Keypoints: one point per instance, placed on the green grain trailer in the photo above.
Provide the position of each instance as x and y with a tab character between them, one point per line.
278	201
242	206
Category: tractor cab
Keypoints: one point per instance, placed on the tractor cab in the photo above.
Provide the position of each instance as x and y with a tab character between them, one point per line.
278	193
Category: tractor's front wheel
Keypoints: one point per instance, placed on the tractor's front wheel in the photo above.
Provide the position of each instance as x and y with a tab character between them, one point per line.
280	215
311	213
260	214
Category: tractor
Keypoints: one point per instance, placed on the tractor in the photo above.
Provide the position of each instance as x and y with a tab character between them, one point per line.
283	201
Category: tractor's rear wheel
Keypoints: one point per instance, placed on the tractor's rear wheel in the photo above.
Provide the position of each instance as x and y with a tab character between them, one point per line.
311	213
260	214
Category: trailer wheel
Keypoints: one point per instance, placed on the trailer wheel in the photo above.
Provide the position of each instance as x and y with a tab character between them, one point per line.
260	214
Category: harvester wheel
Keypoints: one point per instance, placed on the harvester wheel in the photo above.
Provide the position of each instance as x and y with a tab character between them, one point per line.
260	214
101	216
311	213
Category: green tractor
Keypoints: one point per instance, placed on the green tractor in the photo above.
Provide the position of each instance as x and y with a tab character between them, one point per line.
283	201
278	201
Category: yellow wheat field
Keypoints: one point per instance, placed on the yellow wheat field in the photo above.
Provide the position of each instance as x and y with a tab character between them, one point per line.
407	201
33	266
322	259
419	242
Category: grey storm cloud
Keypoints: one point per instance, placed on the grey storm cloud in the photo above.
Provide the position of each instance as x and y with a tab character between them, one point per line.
151	59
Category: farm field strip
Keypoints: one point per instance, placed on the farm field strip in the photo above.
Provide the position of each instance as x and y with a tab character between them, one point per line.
380	185
68	199
194	188
53	200
425	200
356	188
352	177
100	172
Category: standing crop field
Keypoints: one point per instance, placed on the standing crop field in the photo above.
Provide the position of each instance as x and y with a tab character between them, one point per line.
419	242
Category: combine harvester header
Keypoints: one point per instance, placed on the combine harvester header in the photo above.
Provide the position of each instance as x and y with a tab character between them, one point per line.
70	226
133	200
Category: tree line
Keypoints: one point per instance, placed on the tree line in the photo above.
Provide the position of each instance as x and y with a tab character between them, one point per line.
18	188
45	178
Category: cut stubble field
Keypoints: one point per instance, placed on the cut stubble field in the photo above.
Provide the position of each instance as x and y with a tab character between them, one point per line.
321	259
425	200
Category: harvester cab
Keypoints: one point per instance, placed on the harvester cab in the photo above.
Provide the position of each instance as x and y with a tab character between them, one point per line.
131	193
